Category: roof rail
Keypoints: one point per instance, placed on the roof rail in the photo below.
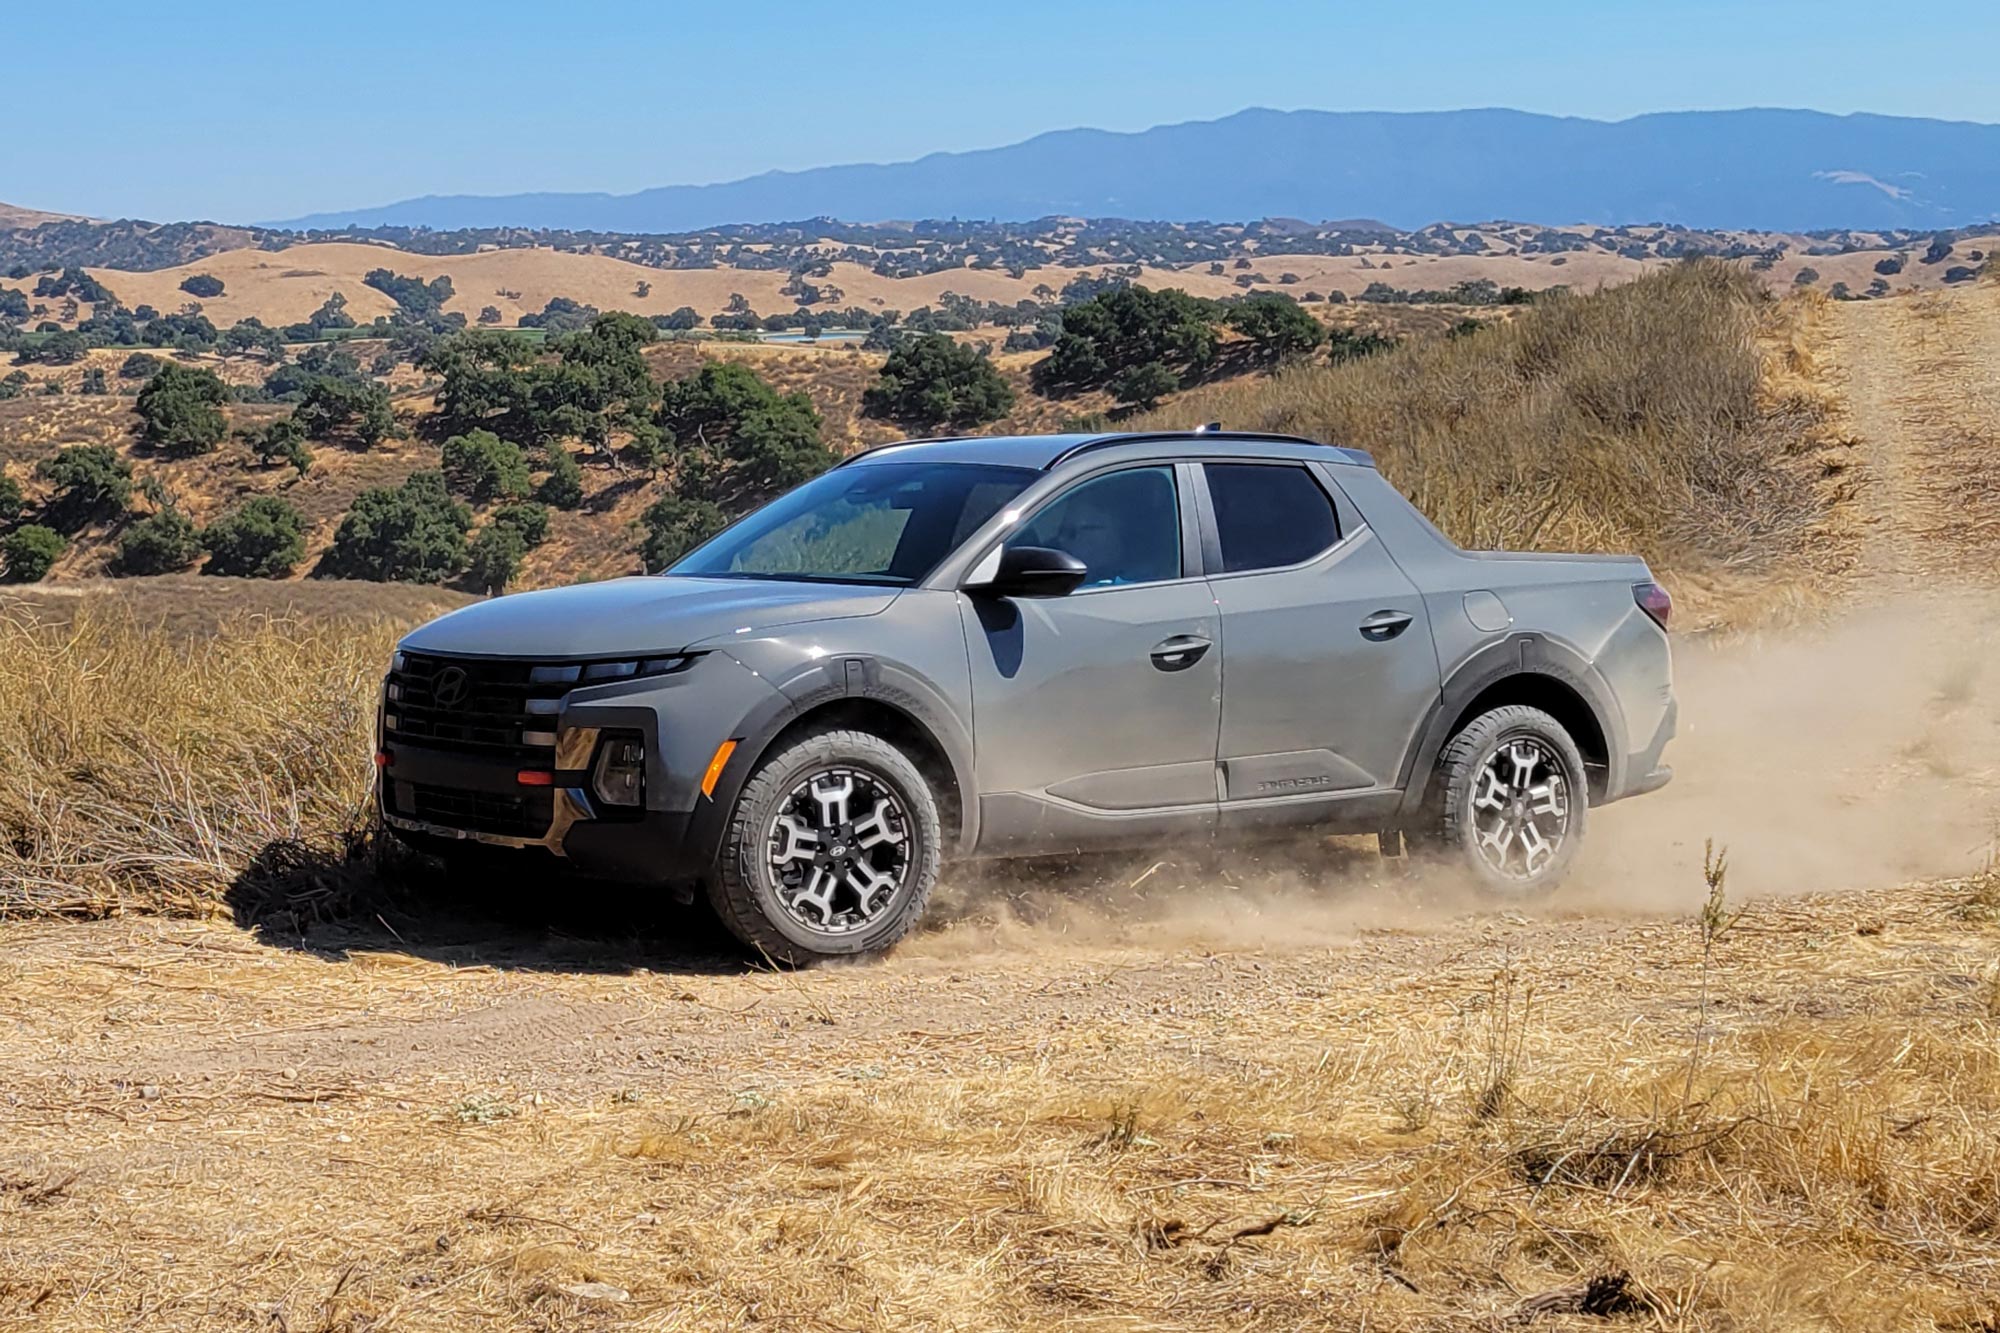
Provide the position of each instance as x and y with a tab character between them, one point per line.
893	444
1211	431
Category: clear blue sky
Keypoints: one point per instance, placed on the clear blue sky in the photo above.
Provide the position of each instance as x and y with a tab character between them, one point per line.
135	108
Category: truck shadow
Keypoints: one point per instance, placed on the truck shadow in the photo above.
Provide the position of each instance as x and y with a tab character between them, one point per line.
370	899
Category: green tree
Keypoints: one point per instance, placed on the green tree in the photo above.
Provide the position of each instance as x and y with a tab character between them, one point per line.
489	314
12	502
1119	330
1144	386
202	286
29	553
563	487
251	336
93	382
160	543
494	558
284	440
356	408
90	482
738	438
63	348
413	533
1280	328
528	519
263	538
181	407
680	320
481	466
674	525
931	380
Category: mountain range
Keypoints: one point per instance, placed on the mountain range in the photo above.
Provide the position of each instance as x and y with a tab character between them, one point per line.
1777	170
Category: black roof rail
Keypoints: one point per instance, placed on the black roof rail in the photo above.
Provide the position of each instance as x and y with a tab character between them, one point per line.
1205	433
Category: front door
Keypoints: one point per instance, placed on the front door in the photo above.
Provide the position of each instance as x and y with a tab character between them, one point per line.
1328	665
1095	713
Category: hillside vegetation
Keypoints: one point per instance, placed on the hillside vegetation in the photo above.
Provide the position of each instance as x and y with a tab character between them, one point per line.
1646	418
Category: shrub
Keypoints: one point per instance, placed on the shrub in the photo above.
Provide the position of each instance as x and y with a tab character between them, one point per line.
139	366
528	519
930	380
284	440
489	314
1960	273
28	553
1890	266
495	558
481	466
1805	277
12	502
160	543
264	538
93	382
563	487
182	410
675	525
1143	386
91	481
202	286
413	533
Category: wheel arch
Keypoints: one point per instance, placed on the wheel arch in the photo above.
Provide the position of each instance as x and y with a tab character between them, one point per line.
1536	672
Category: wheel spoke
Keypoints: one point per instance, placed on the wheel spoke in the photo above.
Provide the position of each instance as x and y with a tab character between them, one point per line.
798	841
832	792
877	828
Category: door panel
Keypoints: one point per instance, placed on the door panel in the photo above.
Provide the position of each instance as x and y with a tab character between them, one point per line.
1322	691
1068	701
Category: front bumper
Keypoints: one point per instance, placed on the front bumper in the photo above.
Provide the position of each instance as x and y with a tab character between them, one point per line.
485	804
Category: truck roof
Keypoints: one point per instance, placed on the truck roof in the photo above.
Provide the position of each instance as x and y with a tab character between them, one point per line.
1043	452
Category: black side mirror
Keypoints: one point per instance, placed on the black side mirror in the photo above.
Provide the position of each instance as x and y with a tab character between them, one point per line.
1035	571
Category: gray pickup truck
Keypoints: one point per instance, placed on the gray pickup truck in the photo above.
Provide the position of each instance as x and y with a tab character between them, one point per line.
1028	646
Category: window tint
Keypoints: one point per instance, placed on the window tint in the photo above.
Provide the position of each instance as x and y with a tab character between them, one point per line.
1125	527
1267	515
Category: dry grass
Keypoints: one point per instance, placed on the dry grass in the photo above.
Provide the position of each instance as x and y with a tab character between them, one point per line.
1634	419
146	767
1482	1126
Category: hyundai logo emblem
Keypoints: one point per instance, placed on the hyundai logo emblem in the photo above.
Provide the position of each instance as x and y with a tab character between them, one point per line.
449	689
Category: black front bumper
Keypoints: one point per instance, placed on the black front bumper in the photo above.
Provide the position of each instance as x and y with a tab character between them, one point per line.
436	800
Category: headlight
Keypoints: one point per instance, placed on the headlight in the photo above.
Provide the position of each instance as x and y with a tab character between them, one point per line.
619	776
596	673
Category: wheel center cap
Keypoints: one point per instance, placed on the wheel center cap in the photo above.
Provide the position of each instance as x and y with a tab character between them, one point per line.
839	850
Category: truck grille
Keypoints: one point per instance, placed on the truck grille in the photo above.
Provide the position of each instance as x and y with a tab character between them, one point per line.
527	814
478	707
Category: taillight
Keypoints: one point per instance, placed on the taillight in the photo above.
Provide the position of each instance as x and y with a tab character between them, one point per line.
1654	601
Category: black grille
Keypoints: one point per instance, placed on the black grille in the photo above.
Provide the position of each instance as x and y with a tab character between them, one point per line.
473	706
527	814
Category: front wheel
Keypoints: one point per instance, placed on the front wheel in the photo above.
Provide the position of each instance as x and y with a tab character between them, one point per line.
1513	798
832	850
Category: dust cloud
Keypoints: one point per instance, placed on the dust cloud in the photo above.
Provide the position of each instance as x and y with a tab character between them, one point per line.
1860	752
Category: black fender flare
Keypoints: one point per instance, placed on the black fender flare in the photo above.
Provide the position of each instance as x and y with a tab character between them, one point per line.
1517	655
836	679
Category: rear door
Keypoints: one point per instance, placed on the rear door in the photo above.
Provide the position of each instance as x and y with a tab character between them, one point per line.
1327	663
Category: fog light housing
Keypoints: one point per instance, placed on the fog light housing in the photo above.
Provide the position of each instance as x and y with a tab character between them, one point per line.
619	775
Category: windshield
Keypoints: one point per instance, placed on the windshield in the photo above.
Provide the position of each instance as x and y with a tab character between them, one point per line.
883	523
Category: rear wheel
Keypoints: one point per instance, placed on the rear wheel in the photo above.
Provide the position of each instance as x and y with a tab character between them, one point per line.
1512	801
832	850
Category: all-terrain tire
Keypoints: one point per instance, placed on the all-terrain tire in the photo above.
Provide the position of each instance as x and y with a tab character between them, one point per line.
1456	828
745	890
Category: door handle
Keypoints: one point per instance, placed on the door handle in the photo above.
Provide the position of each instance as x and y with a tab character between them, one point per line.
1385	625
1180	652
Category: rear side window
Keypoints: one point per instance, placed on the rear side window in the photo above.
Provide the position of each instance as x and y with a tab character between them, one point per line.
1269	515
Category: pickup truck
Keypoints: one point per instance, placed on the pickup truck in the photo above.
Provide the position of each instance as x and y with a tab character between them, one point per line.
1028	646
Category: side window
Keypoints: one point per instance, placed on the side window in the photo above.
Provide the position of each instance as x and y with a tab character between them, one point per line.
1125	527
1268	515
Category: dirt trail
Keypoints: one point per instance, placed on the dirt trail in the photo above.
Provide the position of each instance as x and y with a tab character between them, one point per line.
1917	382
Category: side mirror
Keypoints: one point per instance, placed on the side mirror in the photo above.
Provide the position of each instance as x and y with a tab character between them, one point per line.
1033	571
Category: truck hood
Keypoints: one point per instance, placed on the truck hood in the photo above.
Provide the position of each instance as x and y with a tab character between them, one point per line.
635	616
